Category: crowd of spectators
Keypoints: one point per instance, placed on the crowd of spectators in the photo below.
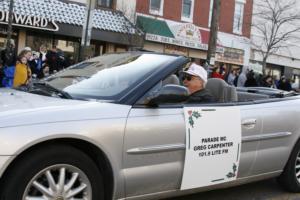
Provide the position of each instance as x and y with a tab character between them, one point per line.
18	70
245	77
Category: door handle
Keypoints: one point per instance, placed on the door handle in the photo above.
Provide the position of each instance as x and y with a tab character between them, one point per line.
249	122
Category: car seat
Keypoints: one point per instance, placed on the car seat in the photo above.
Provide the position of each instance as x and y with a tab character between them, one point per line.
221	91
172	79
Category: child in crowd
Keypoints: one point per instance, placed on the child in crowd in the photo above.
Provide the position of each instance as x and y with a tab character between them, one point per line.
22	72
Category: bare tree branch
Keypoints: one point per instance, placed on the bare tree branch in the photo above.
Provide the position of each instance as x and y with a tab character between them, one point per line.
275	22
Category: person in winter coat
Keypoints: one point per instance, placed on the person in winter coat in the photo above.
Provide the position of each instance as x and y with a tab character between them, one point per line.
251	81
35	64
8	59
195	79
284	84
52	60
9	55
217	73
1	74
242	77
232	75
26	53
22	73
267	82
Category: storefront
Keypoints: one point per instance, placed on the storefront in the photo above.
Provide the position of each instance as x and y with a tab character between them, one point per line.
3	35
56	23
173	37
277	65
231	59
189	40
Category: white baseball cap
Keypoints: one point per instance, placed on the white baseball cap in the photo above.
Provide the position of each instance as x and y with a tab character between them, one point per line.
27	49
197	70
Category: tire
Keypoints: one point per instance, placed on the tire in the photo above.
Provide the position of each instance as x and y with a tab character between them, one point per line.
290	177
59	162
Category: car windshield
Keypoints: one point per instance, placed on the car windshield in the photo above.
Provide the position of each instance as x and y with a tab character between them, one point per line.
107	77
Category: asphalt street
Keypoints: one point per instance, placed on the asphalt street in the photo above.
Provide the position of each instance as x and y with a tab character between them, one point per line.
263	190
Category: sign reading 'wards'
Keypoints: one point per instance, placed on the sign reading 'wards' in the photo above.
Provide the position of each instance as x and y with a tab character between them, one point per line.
213	146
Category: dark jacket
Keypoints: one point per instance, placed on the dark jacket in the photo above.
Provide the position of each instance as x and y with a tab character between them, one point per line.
284	85
9	57
52	60
251	82
1	75
201	96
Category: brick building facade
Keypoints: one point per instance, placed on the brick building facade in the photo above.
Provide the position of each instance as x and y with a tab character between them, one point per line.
168	22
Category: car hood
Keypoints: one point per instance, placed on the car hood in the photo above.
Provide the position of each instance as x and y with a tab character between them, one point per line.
20	108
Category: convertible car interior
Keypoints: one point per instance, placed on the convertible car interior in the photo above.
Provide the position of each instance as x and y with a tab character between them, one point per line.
221	91
225	93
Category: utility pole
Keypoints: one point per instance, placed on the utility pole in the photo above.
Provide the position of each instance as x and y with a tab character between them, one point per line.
87	28
10	21
214	26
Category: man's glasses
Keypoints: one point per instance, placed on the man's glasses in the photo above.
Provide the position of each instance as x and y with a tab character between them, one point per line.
187	77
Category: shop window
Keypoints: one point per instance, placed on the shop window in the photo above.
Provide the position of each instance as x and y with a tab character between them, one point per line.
238	16
105	3
156	7
34	42
120	48
187	10
69	43
2	43
67	46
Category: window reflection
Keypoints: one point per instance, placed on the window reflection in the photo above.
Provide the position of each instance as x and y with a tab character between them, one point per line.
68	46
105	3
108	76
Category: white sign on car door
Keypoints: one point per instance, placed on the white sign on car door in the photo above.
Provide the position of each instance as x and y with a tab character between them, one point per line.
213	146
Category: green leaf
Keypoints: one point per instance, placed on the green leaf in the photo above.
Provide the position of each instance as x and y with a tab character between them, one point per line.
191	121
196	114
234	167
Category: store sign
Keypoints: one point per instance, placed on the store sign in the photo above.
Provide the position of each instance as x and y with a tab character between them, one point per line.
188	32
231	55
186	35
175	41
178	50
212	152
29	21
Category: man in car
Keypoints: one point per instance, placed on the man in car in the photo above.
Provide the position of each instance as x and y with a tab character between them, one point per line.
195	79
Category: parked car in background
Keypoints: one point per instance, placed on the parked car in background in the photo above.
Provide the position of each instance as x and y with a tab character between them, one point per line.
113	127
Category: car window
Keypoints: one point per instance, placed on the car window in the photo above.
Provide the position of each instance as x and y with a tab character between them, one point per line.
172	79
109	76
145	99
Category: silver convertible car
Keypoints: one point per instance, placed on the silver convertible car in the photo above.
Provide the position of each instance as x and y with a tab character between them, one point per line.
115	127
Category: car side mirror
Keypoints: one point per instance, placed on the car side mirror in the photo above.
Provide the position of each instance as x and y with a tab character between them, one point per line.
168	94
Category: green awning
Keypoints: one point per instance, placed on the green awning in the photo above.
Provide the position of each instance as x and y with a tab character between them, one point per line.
154	26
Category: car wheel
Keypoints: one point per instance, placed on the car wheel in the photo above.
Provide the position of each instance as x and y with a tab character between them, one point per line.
53	172
290	178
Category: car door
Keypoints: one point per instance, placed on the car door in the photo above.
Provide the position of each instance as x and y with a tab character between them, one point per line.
251	124
278	135
154	147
